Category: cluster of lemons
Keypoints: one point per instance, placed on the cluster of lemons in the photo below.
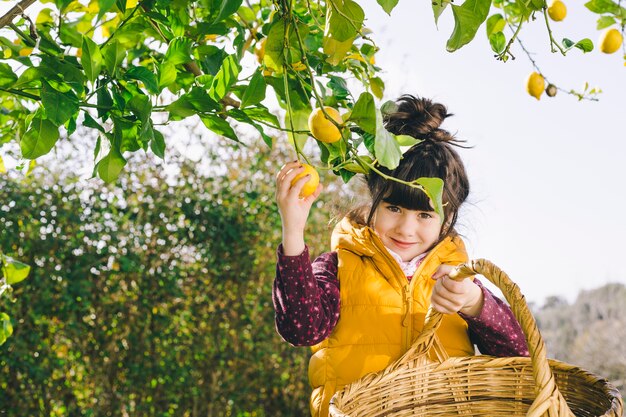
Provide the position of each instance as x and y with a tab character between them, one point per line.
324	130
610	41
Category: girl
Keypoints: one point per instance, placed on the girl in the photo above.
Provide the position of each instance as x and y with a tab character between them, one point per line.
362	305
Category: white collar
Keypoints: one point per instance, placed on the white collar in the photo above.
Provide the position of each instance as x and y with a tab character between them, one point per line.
408	267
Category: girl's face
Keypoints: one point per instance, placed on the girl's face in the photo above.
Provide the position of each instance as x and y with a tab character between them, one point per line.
408	233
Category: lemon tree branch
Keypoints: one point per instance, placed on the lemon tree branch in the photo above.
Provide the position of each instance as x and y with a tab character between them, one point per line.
15	10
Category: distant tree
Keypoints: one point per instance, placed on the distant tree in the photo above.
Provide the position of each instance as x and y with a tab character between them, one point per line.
590	332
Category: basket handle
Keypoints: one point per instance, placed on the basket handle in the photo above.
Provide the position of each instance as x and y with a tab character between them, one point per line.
549	401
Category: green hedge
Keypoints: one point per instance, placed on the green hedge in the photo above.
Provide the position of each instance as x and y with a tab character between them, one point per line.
152	298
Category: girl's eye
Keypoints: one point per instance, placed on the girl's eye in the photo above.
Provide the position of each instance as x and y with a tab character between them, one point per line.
393	209
424	215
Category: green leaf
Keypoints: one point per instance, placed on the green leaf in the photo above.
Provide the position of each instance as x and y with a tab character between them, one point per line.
69	34
219	126
14	271
603	6
433	187
91	59
144	75
262	114
26	78
113	54
225	78
335	51
300	119
467	19
537	5
388	5
438	7
364	113
158	144
104	101
211	58
585	45
90	122
377	86
497	41
567	43
241	116
495	24
104	6
344	20
167	74
196	101
7	76
59	107
275	54
356	167
179	51
6	328
226	9
406	140
605	21
110	166
141	107
388	108
386	148
255	91
39	139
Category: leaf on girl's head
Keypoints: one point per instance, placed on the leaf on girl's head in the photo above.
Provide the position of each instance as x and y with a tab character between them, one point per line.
433	187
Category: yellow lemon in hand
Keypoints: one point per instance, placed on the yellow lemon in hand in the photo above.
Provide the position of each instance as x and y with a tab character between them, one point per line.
610	41
535	85
557	10
311	185
323	129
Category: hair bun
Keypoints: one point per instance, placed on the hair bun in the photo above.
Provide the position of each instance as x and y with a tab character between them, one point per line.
418	117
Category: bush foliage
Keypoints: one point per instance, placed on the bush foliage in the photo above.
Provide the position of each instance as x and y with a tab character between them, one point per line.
152	298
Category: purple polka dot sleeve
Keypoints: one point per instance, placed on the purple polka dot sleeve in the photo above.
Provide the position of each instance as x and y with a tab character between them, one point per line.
306	297
495	331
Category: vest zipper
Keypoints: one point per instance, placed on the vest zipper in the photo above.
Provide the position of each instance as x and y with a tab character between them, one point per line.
407	320
407	288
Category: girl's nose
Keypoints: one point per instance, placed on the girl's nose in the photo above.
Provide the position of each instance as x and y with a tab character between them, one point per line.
408	225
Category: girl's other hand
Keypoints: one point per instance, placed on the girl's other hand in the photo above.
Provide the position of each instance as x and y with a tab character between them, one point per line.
450	296
293	210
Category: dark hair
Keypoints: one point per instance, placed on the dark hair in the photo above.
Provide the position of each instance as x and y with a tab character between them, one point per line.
433	157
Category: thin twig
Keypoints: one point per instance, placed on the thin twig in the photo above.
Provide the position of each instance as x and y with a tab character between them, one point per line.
536	67
19	8
552	41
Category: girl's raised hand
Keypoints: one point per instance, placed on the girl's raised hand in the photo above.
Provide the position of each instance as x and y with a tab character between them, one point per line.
450	296
293	210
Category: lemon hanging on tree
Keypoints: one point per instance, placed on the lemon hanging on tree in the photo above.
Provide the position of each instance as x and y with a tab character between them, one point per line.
535	84
610	41
557	10
322	128
311	185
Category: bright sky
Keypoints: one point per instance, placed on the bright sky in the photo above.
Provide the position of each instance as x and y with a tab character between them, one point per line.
548	176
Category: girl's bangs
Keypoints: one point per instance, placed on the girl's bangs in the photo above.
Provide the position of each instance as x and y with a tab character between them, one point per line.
408	197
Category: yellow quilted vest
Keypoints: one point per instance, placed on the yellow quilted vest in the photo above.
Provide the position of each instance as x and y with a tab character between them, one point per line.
381	312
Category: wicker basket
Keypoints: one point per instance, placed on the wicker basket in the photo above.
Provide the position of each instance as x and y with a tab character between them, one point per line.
416	385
